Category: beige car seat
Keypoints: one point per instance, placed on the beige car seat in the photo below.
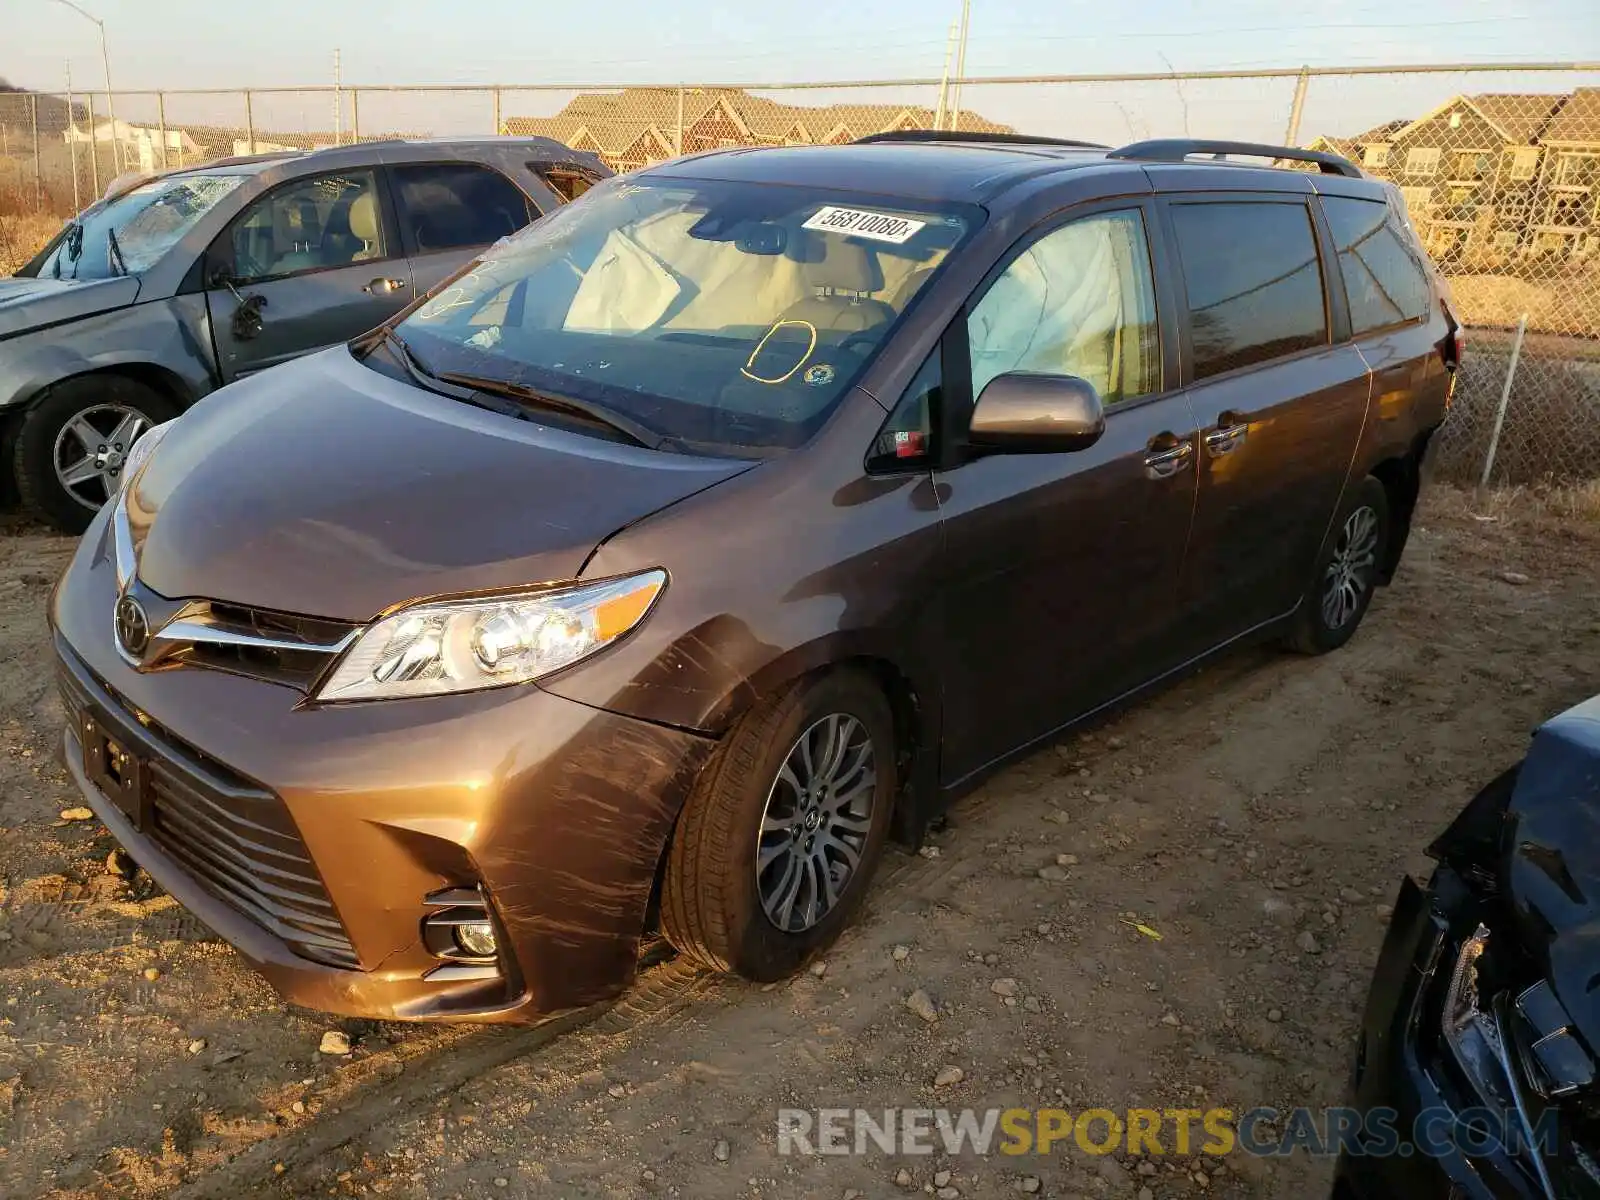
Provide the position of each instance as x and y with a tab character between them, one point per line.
364	225
842	283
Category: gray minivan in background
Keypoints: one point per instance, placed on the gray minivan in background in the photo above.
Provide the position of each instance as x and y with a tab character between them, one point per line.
190	280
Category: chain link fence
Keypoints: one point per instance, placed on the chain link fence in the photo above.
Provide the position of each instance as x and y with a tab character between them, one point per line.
1499	168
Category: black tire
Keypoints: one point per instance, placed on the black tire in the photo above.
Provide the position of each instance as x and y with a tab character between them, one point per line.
33	459
1318	630
711	906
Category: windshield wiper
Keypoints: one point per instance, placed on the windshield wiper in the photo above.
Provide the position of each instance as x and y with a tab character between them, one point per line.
569	405
423	377
118	263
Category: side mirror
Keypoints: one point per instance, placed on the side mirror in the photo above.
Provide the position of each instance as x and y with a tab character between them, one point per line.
1024	413
218	275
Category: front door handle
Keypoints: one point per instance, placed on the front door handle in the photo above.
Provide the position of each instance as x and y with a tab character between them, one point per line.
1167	456
382	287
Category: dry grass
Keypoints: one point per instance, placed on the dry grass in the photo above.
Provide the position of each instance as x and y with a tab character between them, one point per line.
21	237
1574	508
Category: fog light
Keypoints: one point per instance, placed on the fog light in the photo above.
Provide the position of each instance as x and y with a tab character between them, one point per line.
477	939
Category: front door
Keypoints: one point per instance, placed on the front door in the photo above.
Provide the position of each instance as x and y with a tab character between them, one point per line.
1062	569
1280	407
310	264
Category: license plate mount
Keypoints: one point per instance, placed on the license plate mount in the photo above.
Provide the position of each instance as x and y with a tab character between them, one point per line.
113	768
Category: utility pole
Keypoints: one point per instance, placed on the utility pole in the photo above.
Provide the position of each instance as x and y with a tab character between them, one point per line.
1291	136
105	61
961	64
944	79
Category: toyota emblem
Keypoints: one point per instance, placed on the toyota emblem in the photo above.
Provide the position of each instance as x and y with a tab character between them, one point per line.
133	626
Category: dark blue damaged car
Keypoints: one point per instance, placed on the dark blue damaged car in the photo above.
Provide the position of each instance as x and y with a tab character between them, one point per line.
1482	1029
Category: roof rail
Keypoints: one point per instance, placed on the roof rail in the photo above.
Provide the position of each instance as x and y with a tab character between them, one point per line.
973	135
1178	149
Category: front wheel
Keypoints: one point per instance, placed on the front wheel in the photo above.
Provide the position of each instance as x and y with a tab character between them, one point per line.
74	440
1346	574
778	841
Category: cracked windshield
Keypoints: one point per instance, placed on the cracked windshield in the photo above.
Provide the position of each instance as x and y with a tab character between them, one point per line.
129	234
723	315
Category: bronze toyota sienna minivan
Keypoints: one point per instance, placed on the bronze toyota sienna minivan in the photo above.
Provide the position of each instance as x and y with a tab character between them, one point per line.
655	571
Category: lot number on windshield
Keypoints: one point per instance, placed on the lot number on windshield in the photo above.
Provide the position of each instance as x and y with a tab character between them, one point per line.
880	227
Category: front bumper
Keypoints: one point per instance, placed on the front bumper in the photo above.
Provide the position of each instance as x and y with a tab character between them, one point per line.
309	837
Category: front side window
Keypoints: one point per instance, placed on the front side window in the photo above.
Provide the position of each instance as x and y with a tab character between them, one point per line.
450	206
131	233
1383	278
1078	301
309	225
1253	282
731	316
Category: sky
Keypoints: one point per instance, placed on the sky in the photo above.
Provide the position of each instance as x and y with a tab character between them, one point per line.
173	44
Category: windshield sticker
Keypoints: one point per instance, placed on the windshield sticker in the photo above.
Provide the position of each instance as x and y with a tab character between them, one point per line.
819	375
857	222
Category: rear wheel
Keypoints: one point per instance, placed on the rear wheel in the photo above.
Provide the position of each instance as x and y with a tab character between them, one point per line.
779	840
73	441
1347	572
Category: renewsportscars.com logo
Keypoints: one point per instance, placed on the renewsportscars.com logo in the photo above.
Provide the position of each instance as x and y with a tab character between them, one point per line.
1264	1132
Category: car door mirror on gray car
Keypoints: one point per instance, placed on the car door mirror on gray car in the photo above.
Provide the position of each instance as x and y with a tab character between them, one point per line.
1024	412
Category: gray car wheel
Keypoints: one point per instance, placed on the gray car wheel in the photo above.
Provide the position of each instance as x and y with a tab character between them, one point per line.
783	830
74	440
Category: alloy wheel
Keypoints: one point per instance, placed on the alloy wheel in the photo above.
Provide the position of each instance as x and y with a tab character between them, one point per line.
816	821
1350	574
91	449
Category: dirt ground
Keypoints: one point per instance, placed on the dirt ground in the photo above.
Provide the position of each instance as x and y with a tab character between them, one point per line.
1258	816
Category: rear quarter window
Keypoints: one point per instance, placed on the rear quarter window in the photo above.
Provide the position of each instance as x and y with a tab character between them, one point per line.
567	182
1384	276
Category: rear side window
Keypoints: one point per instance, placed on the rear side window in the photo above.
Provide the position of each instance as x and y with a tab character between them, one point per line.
1253	282
446	206
1383	277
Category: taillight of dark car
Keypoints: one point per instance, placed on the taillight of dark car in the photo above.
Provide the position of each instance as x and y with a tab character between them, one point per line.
1453	343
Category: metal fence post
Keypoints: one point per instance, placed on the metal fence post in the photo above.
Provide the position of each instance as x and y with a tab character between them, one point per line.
161	119
677	139
1505	401
355	115
38	173
94	152
249	125
72	140
1296	107
499	127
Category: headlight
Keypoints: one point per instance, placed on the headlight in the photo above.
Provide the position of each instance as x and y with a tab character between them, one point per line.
463	645
143	447
1470	1028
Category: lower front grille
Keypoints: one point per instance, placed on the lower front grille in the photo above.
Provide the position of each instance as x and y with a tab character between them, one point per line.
247	853
233	836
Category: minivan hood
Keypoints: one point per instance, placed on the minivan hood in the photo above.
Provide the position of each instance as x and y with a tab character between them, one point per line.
327	489
1552	872
27	303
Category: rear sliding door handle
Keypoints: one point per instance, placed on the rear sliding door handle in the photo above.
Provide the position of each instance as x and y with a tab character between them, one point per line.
1166	459
1226	440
